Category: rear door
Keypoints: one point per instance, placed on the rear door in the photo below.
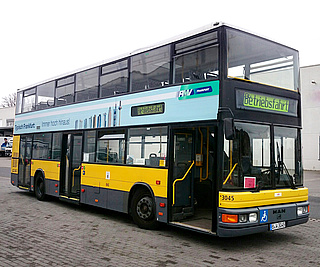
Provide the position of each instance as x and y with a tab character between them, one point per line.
24	167
70	168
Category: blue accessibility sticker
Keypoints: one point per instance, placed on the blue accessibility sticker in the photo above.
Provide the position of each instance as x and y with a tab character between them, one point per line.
263	216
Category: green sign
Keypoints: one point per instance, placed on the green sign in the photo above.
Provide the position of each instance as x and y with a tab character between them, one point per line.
266	103
196	90
149	109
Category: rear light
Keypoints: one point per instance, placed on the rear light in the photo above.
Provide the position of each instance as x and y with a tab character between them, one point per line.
162	205
229	218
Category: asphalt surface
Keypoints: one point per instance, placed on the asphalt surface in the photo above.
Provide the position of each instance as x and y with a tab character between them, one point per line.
54	233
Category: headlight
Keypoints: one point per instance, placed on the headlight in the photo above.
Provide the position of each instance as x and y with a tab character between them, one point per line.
243	218
302	210
253	217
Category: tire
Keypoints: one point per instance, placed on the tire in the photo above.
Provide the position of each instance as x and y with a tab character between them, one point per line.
39	187
143	210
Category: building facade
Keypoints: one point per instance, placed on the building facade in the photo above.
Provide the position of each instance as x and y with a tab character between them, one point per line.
310	91
7	121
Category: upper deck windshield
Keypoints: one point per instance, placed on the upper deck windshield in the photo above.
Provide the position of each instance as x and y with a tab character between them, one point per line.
259	60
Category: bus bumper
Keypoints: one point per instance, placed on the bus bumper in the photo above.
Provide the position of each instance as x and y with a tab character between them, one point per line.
232	232
14	179
268	218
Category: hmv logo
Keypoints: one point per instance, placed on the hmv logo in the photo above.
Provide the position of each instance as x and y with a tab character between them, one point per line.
187	92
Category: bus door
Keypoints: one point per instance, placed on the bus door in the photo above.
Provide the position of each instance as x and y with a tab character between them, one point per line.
182	177
193	177
24	171
70	167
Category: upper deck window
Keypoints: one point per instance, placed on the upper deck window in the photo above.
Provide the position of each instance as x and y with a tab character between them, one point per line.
65	81
150	69
45	95
19	102
259	60
87	85
65	91
29	100
114	79
196	59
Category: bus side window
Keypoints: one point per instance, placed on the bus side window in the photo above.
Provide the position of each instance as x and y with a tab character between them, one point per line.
151	69
110	147
147	146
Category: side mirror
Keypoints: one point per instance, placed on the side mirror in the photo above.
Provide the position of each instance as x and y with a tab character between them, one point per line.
229	130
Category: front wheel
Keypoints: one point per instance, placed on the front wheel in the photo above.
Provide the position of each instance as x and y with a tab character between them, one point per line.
143	210
39	187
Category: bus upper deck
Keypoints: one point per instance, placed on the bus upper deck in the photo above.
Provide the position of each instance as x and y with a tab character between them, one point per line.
202	132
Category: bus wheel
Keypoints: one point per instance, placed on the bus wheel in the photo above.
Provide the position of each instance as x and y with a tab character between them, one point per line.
39	188
143	210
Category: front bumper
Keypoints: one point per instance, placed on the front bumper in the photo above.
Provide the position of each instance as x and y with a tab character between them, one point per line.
267	215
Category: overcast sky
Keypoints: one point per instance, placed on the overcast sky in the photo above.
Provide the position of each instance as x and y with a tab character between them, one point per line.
41	39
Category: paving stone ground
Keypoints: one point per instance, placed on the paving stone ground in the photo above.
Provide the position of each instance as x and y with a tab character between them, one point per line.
54	233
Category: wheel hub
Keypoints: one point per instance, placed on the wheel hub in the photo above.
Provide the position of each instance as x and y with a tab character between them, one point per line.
144	207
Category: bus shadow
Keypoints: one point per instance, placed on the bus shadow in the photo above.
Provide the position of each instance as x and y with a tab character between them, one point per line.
188	238
254	241
95	211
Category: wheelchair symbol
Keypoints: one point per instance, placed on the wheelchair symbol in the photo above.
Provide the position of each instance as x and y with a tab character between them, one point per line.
264	216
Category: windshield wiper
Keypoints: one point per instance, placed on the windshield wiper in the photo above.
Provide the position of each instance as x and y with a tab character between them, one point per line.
293	186
282	166
259	186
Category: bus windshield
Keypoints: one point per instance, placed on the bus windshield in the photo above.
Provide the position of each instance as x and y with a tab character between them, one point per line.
259	60
247	158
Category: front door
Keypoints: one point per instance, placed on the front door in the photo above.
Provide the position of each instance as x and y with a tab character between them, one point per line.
192	177
24	176
182	168
70	168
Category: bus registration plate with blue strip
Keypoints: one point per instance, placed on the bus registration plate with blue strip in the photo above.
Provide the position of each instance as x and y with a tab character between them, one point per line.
278	225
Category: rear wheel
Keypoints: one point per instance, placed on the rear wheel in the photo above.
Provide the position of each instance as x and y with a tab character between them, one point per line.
39	187
143	210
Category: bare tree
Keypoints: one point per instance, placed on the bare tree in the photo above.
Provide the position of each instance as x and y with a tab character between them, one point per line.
9	100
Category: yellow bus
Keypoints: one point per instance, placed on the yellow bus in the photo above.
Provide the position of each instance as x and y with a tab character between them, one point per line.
201	131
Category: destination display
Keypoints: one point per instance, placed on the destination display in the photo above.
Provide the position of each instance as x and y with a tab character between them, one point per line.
266	103
149	109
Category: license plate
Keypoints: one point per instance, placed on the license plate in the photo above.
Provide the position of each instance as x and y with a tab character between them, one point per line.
278	225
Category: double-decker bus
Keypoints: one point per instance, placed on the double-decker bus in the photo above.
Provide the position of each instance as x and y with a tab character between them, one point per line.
201	131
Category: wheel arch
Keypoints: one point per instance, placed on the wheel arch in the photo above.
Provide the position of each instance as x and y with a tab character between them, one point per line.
135	188
39	171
